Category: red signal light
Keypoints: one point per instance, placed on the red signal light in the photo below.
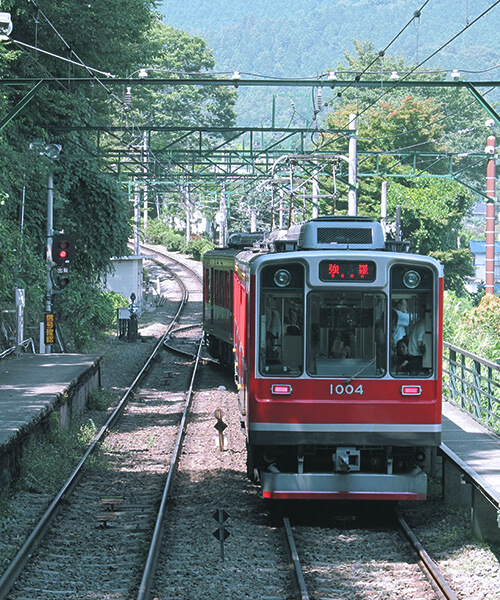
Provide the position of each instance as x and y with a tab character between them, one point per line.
62	249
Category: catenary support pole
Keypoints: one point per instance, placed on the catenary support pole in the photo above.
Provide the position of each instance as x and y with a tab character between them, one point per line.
490	217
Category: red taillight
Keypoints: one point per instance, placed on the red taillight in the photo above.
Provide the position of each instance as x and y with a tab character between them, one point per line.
411	390
281	388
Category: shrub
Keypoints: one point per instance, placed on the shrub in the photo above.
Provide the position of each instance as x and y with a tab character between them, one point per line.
46	463
473	328
84	311
198	247
160	233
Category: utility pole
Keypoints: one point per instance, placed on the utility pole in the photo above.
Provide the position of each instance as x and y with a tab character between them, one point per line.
145	157
353	169
383	207
137	220
48	259
490	216
315	191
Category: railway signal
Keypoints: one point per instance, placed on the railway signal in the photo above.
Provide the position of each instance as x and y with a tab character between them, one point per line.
62	254
62	249
62	277
220	426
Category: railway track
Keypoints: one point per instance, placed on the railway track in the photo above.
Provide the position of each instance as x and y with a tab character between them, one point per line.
339	560
362	563
92	540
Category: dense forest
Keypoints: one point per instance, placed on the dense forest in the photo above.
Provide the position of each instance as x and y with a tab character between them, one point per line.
304	38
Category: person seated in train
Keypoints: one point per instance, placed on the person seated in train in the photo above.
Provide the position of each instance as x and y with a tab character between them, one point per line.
399	348
402	354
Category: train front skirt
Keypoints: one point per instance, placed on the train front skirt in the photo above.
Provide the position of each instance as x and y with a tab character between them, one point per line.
344	486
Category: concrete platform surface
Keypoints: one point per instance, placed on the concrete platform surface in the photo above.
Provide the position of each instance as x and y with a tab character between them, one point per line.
31	384
474	444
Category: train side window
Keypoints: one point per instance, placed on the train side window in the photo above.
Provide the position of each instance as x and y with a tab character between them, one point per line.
412	322
348	334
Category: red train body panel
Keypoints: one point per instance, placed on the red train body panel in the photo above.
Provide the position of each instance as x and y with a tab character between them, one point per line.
337	353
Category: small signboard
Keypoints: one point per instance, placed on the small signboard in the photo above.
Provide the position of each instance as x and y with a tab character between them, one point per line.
50	329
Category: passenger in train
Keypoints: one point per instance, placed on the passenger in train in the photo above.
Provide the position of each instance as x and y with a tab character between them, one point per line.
416	346
401	309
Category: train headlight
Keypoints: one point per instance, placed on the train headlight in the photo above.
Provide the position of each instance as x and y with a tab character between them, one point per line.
411	279
282	278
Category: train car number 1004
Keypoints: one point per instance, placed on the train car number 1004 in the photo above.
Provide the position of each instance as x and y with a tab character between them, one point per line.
349	389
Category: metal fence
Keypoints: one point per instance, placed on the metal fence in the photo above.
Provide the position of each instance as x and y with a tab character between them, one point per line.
472	383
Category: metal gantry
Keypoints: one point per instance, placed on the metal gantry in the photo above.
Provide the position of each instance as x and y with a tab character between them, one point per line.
242	159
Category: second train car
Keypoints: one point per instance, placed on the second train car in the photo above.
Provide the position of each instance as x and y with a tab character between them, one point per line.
336	338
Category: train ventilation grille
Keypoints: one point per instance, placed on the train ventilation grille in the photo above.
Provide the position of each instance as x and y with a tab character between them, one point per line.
346	235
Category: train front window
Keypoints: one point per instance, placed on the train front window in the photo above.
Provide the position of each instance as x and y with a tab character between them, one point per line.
412	322
348	334
281	321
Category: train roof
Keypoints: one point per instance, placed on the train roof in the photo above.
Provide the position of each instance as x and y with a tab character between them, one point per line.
332	233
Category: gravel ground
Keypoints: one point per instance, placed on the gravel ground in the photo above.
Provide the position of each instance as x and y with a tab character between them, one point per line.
210	479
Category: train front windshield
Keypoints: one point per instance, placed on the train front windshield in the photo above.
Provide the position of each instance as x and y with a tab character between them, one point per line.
346	333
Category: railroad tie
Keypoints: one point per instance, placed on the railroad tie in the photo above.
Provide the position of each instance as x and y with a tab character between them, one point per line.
105	519
108	516
112	501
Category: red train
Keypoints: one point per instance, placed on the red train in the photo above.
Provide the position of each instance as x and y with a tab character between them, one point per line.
336	342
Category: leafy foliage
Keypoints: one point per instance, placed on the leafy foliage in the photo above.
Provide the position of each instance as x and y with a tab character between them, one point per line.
159	232
303	38
47	462
90	204
86	312
475	328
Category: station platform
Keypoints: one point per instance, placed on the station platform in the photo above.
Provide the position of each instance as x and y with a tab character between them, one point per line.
31	387
471	470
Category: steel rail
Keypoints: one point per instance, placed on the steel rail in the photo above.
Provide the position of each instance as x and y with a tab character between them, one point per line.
429	566
300	584
156	540
20	560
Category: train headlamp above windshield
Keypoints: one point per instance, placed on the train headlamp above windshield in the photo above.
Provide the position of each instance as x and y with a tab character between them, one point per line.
282	278
412	279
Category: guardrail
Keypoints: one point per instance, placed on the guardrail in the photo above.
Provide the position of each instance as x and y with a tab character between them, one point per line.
29	343
472	383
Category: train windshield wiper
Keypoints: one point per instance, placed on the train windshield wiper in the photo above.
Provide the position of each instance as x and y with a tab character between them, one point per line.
367	364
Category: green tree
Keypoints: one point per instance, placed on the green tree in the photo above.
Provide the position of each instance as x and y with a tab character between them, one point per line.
89	201
432	218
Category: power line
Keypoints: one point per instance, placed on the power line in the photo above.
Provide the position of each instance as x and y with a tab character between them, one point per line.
395	84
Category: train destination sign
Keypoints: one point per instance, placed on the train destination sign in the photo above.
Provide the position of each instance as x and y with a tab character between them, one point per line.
347	270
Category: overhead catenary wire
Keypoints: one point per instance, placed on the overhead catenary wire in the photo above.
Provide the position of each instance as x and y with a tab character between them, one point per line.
406	75
381	54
